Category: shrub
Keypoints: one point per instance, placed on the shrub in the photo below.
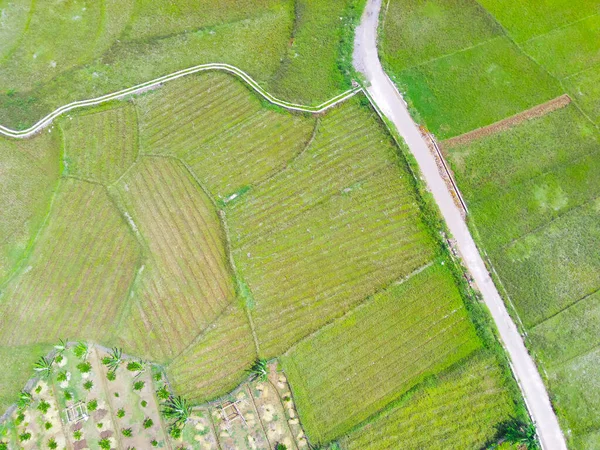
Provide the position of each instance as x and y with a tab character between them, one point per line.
144	403
47	425
135	366
111	375
25	399
77	435
25	436
84	367
138	385
62	376
68	395
88	385
280	446
52	444
127	432
104	444
80	350
163	393
92	405
148	422
121	413
154	443
20	418
44	406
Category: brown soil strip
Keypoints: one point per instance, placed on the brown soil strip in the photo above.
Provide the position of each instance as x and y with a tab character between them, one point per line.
509	122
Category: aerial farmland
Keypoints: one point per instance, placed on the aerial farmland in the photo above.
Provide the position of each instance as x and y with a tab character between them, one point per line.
214	235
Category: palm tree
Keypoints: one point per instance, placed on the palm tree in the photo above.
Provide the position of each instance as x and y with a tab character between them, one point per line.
258	370
43	366
521	433
177	409
114	359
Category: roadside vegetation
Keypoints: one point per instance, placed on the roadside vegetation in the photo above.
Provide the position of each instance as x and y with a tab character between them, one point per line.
532	190
55	53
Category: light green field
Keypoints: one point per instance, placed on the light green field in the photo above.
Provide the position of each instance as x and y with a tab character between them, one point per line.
101	146
475	87
186	281
524	20
540	181
585	89
299	239
73	283
417	32
458	409
29	172
54	52
348	371
217	360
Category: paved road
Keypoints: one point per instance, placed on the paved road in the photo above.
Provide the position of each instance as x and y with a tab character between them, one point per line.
390	102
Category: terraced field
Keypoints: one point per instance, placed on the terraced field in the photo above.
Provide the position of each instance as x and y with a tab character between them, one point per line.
347	372
213	230
53	53
455	410
532	190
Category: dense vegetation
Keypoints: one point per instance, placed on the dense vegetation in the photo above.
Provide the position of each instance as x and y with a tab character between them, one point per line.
532	190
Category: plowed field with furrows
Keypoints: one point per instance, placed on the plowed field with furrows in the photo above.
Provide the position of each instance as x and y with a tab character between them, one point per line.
217	360
75	282
100	146
188	282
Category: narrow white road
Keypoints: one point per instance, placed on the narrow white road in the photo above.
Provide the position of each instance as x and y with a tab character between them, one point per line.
390	102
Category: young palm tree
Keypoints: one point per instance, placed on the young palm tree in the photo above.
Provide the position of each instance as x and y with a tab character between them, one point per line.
258	370
177	409
81	350
114	359
43	366
61	346
135	366
522	434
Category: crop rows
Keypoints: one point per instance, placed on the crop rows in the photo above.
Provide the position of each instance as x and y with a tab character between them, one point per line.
100	146
251	151
328	231
188	283
192	111
346	372
216	362
76	280
29	172
459	411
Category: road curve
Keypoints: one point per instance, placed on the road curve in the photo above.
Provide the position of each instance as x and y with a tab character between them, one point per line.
390	102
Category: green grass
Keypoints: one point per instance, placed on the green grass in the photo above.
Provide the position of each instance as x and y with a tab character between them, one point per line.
524	20
533	194
17	368
100	146
475	87
184	283
458	409
346	372
75	280
216	362
568	50
29	172
417	31
300	239
54	52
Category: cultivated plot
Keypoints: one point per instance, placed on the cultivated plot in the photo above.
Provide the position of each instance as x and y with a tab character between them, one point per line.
348	371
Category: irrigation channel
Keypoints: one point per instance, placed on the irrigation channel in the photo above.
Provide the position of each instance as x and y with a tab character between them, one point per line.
390	103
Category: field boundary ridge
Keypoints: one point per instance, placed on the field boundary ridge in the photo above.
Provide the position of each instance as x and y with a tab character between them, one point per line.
173	76
509	122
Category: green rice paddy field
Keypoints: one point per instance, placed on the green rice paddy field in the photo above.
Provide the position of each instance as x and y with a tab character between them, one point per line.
199	229
54	52
533	190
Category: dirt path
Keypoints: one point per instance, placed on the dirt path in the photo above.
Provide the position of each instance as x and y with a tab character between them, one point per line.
391	103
